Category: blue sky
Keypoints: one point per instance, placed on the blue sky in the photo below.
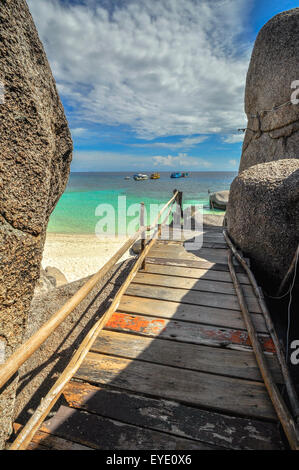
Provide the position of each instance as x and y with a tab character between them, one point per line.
153	85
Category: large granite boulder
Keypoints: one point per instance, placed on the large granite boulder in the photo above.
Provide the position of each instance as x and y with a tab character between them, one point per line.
35	155
263	217
273	134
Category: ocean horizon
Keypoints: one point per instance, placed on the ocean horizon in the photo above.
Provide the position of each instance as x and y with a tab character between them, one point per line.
85	191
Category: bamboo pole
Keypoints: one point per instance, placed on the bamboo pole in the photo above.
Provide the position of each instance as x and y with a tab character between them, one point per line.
143	234
14	362
278	346
151	227
25	436
289	272
25	351
283	413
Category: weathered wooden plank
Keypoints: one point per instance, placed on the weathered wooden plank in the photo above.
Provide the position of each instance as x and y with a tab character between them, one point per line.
45	441
217	234
203	285
174	418
194	273
220	361
186	332
192	297
178	251
102	433
215	392
214	244
206	233
206	243
192	313
190	263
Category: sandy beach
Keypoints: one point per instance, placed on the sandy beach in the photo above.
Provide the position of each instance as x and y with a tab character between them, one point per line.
78	256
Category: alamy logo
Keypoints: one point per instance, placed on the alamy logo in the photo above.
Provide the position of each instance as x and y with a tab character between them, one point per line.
295	94
295	354
2	92
125	220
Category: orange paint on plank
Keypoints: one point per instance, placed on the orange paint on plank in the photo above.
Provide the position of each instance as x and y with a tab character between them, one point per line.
78	393
137	324
156	326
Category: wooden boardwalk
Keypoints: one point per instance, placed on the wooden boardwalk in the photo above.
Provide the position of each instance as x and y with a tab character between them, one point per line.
173	368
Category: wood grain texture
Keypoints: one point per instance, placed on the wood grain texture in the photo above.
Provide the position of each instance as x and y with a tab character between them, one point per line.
174	418
241	364
214	243
191	297
194	273
241	397
178	251
186	332
193	313
44	441
180	282
102	433
190	263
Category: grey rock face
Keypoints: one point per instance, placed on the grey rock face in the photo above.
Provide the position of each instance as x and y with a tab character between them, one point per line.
219	200
35	154
263	216
45	284
274	66
57	275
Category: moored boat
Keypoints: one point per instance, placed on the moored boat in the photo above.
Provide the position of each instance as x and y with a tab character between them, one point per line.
176	175
155	176
140	177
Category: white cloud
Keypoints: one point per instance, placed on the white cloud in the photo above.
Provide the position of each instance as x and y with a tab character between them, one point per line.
167	67
78	131
186	143
233	162
233	139
182	160
99	160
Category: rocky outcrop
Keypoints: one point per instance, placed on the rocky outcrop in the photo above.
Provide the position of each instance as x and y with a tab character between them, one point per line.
39	373
49	279
57	275
35	154
263	216
273	121
219	200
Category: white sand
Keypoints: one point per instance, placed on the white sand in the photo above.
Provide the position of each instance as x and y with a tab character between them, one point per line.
78	256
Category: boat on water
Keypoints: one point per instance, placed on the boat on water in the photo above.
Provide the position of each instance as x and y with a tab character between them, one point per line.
176	175
185	175
127	177
140	177
155	176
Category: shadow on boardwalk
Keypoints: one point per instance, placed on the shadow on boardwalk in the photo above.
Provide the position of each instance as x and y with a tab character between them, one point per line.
173	368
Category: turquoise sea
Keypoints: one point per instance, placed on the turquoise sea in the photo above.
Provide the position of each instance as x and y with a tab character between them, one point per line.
76	209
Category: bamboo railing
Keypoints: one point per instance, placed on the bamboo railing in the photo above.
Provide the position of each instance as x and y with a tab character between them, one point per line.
284	416
292	393
25	351
279	405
